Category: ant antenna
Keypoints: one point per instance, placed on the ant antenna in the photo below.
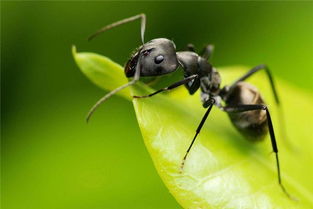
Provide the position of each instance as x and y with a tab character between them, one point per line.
137	72
127	20
108	95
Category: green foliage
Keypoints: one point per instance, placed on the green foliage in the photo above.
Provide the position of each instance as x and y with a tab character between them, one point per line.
223	170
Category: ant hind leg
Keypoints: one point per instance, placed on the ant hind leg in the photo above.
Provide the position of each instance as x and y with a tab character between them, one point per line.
244	108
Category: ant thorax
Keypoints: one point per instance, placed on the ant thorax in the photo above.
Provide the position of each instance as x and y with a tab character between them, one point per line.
210	84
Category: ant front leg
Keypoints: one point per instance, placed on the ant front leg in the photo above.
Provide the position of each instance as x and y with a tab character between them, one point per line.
175	85
244	108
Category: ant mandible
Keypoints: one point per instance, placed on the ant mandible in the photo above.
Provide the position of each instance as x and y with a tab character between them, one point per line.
244	104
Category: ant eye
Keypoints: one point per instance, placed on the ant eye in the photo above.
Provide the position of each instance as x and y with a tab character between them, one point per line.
158	59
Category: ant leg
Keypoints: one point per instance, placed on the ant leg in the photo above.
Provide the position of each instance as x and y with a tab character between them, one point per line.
191	47
244	108
207	51
250	73
212	101
127	20
179	83
108	95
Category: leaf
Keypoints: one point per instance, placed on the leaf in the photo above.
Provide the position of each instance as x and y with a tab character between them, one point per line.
223	170
102	71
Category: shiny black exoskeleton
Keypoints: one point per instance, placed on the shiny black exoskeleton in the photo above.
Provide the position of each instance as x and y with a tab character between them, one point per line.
243	102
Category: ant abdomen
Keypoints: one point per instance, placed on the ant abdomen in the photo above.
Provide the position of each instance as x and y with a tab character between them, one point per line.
252	124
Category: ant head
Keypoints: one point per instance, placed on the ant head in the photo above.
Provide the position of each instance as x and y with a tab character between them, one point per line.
156	57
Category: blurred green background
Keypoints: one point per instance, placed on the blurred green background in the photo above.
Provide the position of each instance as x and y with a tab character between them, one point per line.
50	158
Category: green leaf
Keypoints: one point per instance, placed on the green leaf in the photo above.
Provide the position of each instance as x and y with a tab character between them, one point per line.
223	169
102	71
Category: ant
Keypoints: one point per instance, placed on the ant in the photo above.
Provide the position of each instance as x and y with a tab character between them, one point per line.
244	104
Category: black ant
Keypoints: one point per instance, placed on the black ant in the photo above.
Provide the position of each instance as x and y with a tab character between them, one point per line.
244	104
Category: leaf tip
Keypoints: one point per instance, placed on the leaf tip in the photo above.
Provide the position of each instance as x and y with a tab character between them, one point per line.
74	51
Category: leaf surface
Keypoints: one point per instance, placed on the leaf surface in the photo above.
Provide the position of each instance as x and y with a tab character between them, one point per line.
223	170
